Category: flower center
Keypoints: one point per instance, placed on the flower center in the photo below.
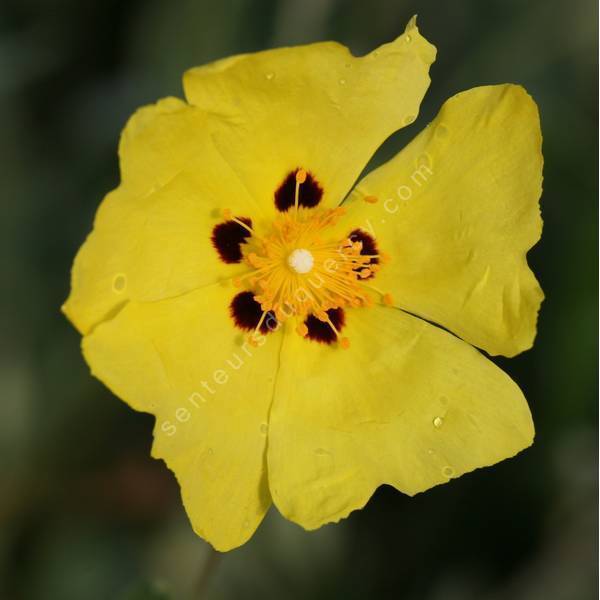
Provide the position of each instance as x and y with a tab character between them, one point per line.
301	260
296	273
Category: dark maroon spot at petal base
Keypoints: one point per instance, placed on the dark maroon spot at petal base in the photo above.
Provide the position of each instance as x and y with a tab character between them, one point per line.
322	332
368	246
246	312
310	192
228	237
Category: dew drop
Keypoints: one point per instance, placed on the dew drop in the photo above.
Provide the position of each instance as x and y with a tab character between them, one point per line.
119	283
441	131
210	450
342	82
246	524
409	119
264	428
438	422
430	452
448	472
375	54
407	39
269	76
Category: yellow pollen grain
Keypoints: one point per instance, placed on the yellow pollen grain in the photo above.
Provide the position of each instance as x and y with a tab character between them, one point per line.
371	199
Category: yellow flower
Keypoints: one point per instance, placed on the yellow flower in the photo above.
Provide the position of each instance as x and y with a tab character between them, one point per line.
284	342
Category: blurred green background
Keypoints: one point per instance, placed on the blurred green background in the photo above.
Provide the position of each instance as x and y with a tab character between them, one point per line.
84	512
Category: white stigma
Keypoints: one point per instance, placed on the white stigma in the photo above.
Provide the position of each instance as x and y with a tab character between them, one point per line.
301	260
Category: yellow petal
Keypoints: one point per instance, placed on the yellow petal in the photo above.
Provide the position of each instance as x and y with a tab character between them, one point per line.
316	107
458	210
151	237
182	360
406	404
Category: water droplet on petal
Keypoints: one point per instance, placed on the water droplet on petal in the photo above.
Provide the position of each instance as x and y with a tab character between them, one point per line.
119	283
342	82
409	119
246	524
407	39
375	54
430	452
210	450
269	76
264	428
441	131
448	472
438	422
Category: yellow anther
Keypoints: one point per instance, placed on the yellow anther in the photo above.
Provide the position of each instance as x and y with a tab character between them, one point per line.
388	300
364	273
370	199
301	175
302	330
344	343
251	339
253	259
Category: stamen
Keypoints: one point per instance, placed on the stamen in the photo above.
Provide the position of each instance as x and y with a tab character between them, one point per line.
300	178
242	224
302	330
260	322
228	215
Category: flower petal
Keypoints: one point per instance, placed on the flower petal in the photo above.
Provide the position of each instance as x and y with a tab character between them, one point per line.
152	235
407	404
458	210
316	107
182	360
